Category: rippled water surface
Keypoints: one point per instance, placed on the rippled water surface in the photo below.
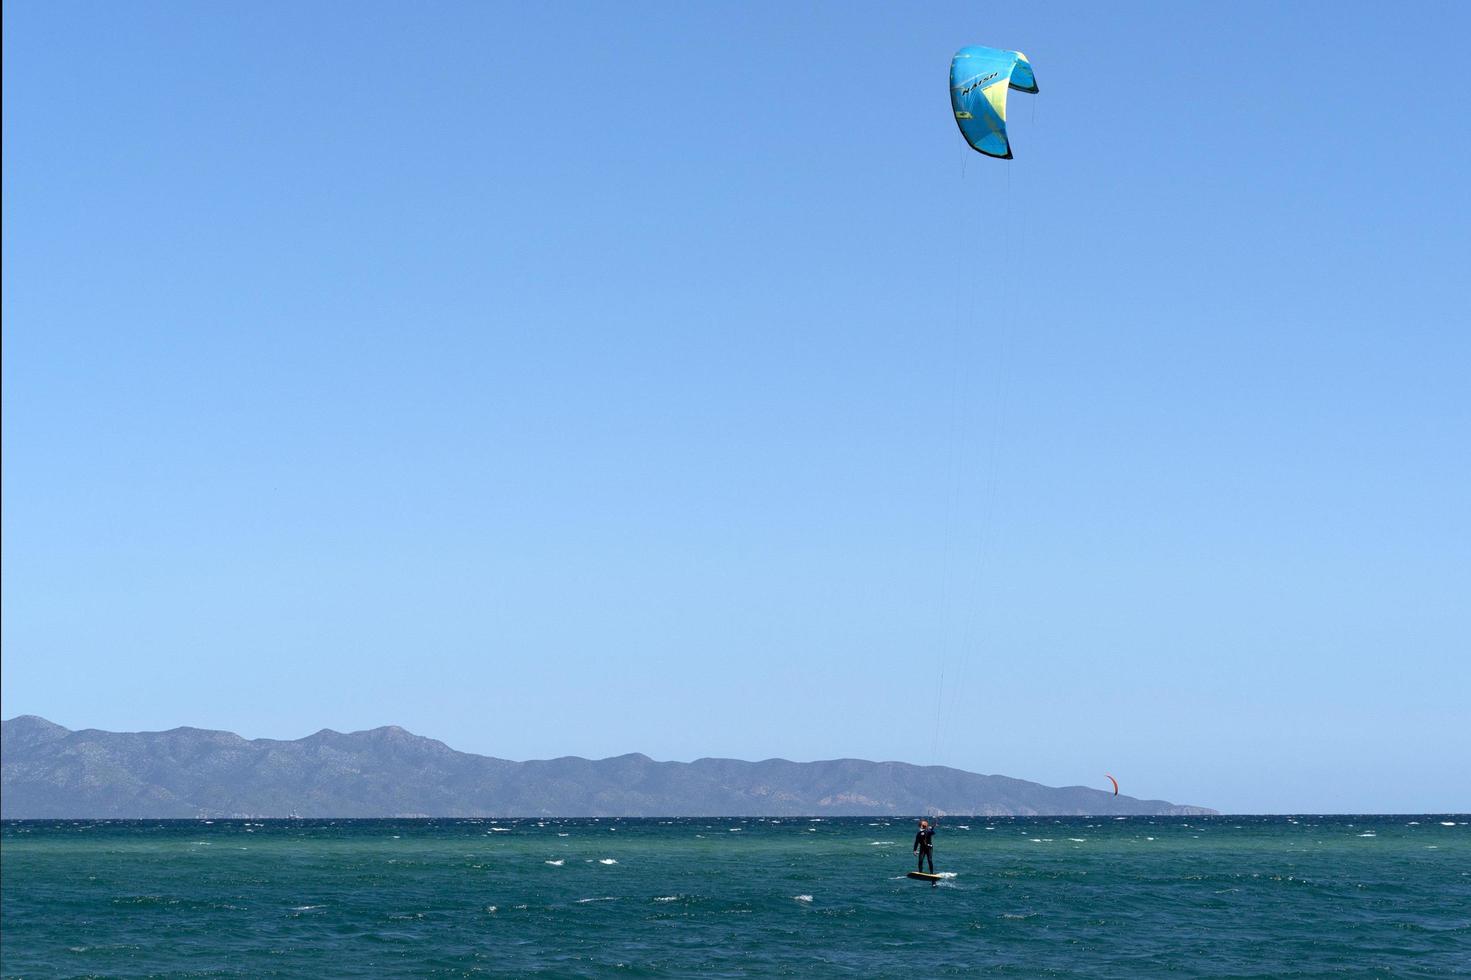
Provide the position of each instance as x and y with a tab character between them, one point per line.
1135	897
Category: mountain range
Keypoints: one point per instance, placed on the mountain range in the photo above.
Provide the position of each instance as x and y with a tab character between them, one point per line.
53	772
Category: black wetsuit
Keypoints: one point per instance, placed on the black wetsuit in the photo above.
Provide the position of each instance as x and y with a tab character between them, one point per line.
924	845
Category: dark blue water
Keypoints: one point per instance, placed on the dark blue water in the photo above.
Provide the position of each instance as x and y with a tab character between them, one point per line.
1136	897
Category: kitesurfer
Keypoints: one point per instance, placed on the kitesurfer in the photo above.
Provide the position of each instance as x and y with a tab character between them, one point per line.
924	846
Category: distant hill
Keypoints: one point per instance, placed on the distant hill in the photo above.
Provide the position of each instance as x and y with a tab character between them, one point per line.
51	771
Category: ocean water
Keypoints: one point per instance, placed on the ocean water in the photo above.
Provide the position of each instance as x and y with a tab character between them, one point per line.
1041	896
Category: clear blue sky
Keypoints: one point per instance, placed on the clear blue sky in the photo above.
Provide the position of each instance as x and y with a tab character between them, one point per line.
669	378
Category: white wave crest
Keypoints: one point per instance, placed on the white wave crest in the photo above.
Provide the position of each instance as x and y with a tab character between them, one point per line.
607	861
557	863
802	898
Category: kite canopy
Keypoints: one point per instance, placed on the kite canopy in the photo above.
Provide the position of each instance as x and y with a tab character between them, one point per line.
979	80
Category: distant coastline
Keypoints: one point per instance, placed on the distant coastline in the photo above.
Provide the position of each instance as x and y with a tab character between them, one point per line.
54	772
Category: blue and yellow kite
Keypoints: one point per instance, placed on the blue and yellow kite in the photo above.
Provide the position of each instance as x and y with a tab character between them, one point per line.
979	80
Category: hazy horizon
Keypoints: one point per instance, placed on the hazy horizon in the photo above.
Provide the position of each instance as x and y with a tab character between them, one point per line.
695	758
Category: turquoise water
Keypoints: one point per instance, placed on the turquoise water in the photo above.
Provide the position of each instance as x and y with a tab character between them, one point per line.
1137	897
